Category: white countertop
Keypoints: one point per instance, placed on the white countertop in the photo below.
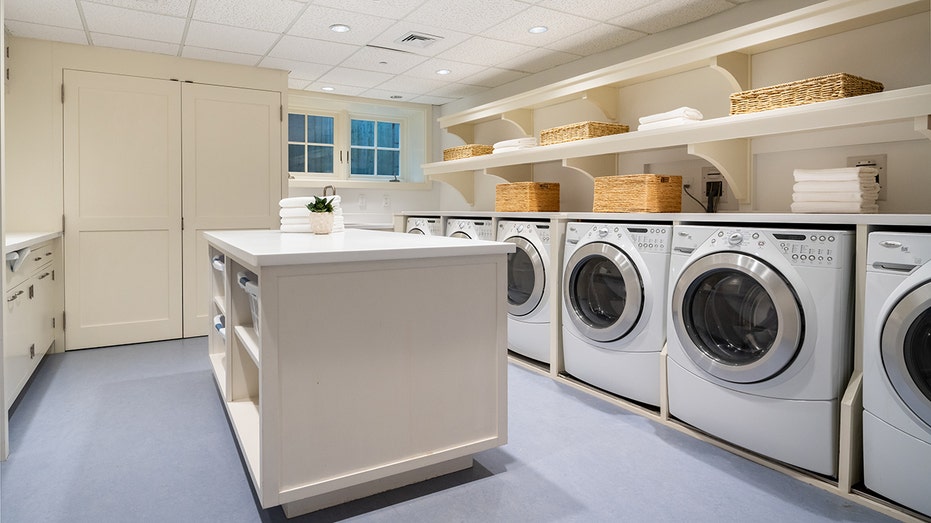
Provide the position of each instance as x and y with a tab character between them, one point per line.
17	240
269	247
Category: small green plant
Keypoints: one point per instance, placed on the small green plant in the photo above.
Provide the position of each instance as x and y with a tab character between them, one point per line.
320	205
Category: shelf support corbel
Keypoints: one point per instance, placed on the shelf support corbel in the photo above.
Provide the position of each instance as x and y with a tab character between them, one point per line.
462	181
923	125
512	173
735	67
605	98
732	159
465	131
522	118
593	166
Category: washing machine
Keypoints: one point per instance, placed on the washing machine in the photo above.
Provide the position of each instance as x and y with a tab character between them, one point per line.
614	306
528	287
897	368
429	226
470	228
759	338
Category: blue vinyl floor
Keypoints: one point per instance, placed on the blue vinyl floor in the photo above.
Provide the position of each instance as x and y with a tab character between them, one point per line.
138	433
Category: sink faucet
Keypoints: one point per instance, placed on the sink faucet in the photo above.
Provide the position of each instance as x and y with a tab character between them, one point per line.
329	187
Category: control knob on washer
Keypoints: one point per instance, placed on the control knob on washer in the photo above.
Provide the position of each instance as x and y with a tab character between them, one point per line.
603	232
735	238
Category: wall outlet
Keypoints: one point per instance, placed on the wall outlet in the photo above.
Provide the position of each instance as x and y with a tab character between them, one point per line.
361	202
385	201
874	160
711	174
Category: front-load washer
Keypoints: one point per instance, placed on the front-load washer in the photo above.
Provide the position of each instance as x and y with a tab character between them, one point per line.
470	228
758	338
897	368
426	225
614	306
528	287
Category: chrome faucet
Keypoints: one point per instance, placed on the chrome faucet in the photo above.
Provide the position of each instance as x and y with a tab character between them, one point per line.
328	187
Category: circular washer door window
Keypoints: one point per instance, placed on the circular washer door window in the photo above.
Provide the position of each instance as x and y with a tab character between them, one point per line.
906	350
525	277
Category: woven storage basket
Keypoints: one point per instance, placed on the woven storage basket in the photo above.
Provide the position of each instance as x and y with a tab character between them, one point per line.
580	131
527	197
638	193
466	151
801	92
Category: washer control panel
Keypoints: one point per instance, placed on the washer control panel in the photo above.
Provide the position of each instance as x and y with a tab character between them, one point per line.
802	248
646	238
525	229
475	229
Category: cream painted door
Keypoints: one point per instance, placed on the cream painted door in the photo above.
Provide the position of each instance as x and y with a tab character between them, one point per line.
232	157
122	187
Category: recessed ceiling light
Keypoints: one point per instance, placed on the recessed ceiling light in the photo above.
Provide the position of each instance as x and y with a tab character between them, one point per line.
443	71
339	28
537	29
327	88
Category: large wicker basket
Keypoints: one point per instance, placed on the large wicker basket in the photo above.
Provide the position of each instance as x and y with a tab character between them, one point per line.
580	131
527	197
638	193
801	92
466	151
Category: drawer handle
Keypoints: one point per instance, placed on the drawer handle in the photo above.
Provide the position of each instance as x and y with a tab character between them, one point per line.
13	297
37	259
48	254
46	275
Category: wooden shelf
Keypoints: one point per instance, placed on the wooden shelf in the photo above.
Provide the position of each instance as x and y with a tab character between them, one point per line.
249	341
244	415
218	362
220	304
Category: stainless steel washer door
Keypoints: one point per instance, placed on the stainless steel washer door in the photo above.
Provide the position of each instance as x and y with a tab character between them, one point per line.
906	350
460	234
603	292
526	277
738	319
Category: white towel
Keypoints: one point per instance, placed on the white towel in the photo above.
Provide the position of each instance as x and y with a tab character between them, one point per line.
673	122
295	221
681	112
848	186
302	201
836	207
835	196
296	228
294	212
841	174
515	142
498	150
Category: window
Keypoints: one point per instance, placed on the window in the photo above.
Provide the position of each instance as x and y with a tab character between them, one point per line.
375	148
311	147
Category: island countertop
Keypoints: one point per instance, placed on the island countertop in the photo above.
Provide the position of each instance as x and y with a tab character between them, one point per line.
262	248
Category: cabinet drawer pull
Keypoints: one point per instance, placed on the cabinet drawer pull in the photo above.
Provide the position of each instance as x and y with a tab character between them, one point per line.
48	254
37	259
46	275
13	297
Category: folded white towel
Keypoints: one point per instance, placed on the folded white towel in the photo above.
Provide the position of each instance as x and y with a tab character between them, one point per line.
294	212
840	174
681	112
835	196
517	141
295	221
848	186
302	201
838	207
498	150
296	228
673	122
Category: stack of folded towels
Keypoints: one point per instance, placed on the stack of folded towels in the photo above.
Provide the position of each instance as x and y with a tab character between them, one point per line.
842	190
680	116
295	216
514	145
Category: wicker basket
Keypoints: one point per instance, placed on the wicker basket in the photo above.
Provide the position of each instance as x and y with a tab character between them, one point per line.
580	131
466	151
527	197
638	193
801	92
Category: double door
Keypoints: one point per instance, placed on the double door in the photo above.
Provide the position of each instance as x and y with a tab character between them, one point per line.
148	165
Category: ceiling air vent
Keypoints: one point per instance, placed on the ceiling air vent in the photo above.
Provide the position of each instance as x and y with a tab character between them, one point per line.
418	39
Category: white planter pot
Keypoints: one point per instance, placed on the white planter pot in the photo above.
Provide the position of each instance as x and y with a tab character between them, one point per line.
321	222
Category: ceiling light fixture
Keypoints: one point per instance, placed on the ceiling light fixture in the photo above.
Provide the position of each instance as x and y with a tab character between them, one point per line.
327	88
396	97
339	28
443	71
537	29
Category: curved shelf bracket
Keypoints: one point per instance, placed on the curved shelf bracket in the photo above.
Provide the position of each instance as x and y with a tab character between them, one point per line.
512	173
462	181
732	158
464	131
735	67
593	166
923	125
605	98
522	118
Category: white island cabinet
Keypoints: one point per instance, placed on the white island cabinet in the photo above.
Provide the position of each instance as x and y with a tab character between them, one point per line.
374	359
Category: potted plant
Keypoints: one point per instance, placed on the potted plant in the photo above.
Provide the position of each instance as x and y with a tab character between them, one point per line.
321	215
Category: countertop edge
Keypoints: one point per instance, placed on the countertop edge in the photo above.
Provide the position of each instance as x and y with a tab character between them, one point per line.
19	240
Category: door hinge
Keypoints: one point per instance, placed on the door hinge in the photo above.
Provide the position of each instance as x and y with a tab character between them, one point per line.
280	113
182	223
63	320
62	93
53	322
62	223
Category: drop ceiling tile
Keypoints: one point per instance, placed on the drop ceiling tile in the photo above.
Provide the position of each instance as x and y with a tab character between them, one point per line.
316	22
485	51
666	14
135	44
394	9
394	96
538	60
298	69
470	17
599	10
345	90
226	38
429	99
412	85
494	77
596	39
214	55
60	13
559	25
263	15
458	71
354	77
315	51
294	83
447	38
162	7
458	90
134	24
46	32
382	60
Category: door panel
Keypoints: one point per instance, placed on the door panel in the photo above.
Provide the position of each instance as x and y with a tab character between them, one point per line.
122	180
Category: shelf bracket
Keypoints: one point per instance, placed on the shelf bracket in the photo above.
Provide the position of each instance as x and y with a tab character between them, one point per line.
465	131
462	181
593	166
923	125
735	67
732	158
522	118
512	173
605	98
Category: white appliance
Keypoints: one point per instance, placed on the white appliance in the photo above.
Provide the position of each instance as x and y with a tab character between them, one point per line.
528	287
470	228
897	368
429	226
758	338
614	306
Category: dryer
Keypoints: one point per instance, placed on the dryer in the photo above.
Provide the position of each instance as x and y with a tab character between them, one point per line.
897	368
614	306
426	225
528	287
758	338
470	228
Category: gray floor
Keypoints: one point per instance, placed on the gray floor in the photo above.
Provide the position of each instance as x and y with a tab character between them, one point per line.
138	433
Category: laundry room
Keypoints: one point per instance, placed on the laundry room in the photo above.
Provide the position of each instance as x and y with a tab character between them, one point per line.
488	260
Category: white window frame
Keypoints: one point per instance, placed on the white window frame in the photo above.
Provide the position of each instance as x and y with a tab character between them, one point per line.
336	146
403	149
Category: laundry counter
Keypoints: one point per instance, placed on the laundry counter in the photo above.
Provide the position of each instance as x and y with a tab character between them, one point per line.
359	361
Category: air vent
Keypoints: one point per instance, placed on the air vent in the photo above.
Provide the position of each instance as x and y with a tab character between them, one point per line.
418	39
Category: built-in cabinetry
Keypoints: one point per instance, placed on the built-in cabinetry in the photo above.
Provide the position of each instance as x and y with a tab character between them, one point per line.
729	60
33	313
